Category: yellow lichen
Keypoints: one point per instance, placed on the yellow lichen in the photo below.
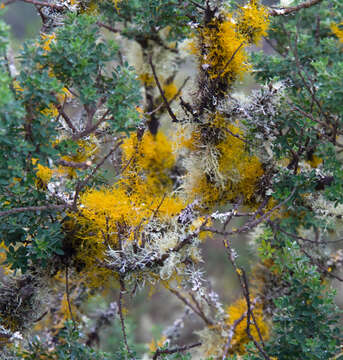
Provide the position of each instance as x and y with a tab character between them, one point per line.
146	79
315	161
338	30
114	216
253	21
170	90
154	345
228	170
237	312
43	173
47	40
150	158
224	49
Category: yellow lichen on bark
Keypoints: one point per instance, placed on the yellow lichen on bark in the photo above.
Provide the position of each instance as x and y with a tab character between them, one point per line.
337	29
237	322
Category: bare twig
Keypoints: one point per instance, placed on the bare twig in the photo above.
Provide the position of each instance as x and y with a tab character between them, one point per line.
108	27
250	224
122	290
38	3
170	112
91	128
80	185
293	9
159	352
233	328
230	60
173	98
34	208
74	164
250	314
68	298
198	5
191	306
66	118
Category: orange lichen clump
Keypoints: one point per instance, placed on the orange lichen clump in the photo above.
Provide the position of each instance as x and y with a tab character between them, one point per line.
237	322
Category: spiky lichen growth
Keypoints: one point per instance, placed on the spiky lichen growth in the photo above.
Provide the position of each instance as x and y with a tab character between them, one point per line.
220	44
119	216
20	302
149	161
220	168
220	49
253	21
238	311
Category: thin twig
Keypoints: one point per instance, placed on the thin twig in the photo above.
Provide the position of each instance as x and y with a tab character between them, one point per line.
198	5
230	60
74	164
38	3
172	115
249	315
251	224
34	208
122	290
159	352
233	328
173	98
92	128
108	27
66	118
68	298
292	9
83	183
191	306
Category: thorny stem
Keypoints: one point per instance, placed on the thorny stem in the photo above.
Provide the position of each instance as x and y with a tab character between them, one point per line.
159	352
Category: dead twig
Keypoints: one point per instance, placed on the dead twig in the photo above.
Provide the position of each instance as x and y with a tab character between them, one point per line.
159	352
34	208
170	112
68	298
293	9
